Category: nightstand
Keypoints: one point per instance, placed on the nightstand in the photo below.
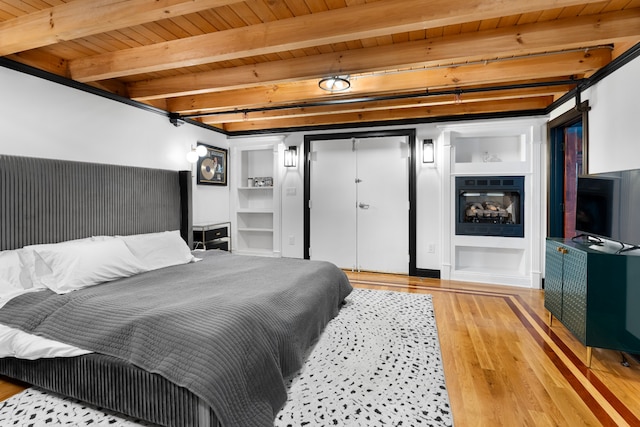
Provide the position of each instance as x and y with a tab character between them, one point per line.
212	236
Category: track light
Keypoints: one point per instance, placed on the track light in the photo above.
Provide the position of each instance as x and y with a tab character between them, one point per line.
174	119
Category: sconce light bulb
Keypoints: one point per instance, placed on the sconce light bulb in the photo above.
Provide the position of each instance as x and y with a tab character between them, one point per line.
201	150
192	157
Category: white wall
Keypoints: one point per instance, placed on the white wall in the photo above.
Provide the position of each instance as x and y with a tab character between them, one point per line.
39	118
613	144
43	119
614	139
428	203
429	179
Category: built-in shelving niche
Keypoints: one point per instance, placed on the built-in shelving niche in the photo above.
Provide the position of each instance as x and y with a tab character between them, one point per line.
255	198
499	149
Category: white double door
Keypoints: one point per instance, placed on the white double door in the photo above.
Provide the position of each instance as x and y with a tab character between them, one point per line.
359	197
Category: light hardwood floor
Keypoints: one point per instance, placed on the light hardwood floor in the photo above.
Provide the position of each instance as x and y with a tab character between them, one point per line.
504	366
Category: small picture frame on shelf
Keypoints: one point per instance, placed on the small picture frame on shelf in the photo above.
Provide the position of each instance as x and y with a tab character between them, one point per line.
213	167
263	181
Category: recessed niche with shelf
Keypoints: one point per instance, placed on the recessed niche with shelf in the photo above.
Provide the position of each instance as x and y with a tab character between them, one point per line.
494	149
255	207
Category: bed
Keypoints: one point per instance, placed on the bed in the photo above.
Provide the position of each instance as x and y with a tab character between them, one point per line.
204	342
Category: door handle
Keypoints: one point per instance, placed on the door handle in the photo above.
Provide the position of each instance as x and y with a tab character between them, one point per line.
363	206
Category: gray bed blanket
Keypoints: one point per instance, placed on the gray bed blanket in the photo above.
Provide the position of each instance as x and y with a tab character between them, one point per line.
229	328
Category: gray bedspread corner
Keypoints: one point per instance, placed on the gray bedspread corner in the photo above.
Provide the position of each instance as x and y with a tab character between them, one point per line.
228	328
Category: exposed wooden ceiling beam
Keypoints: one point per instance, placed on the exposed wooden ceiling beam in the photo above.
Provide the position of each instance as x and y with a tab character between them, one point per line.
511	105
81	18
538	67
42	60
354	22
622	46
523	39
363	107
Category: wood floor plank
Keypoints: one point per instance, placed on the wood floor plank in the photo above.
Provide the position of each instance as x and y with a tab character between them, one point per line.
10	387
504	366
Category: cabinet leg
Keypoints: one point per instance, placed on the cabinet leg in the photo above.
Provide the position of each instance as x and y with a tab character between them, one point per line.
589	356
550	319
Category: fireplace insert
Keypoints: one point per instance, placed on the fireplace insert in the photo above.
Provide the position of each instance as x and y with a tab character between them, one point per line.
490	206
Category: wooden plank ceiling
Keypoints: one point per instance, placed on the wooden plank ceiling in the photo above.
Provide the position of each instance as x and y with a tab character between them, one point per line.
255	65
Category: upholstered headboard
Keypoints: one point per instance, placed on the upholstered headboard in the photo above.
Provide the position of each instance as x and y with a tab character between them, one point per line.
49	201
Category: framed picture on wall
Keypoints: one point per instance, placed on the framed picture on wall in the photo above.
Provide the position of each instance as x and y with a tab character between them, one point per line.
213	167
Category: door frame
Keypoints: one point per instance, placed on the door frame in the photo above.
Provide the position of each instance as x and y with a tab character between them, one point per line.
555	163
410	134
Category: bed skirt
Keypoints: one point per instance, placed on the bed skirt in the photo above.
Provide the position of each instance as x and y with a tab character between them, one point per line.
113	384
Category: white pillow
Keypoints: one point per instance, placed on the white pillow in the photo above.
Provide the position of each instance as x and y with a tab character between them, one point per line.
12	273
7	290
159	250
29	257
78	264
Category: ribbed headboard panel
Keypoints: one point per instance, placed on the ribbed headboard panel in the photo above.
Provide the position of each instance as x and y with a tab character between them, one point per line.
49	201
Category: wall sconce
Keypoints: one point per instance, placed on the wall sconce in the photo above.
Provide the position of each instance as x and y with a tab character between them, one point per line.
334	84
196	153
291	156
428	151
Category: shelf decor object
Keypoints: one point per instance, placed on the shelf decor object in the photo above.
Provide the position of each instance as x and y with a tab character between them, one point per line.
213	166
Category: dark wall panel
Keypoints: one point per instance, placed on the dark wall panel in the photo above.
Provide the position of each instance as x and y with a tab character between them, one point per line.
49	201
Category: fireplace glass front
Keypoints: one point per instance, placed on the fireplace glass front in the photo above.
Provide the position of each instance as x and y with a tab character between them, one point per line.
490	206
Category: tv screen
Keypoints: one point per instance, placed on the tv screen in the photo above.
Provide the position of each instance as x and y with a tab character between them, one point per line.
608	204
594	206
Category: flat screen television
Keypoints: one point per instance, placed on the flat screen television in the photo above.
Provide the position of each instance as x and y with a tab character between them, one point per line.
608	207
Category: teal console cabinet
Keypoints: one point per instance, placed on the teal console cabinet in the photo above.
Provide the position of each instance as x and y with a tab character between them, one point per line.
594	293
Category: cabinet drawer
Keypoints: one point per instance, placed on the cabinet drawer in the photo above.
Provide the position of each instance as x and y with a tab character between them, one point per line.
207	235
218	244
216	233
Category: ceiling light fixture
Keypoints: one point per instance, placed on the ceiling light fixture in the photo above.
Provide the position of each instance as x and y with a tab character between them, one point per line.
334	84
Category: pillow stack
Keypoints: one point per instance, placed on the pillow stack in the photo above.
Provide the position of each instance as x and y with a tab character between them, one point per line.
68	266
12	274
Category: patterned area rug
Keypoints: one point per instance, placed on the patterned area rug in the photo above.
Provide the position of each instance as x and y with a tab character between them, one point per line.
378	363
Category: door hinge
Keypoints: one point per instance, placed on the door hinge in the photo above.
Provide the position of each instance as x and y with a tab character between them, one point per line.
309	204
309	252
